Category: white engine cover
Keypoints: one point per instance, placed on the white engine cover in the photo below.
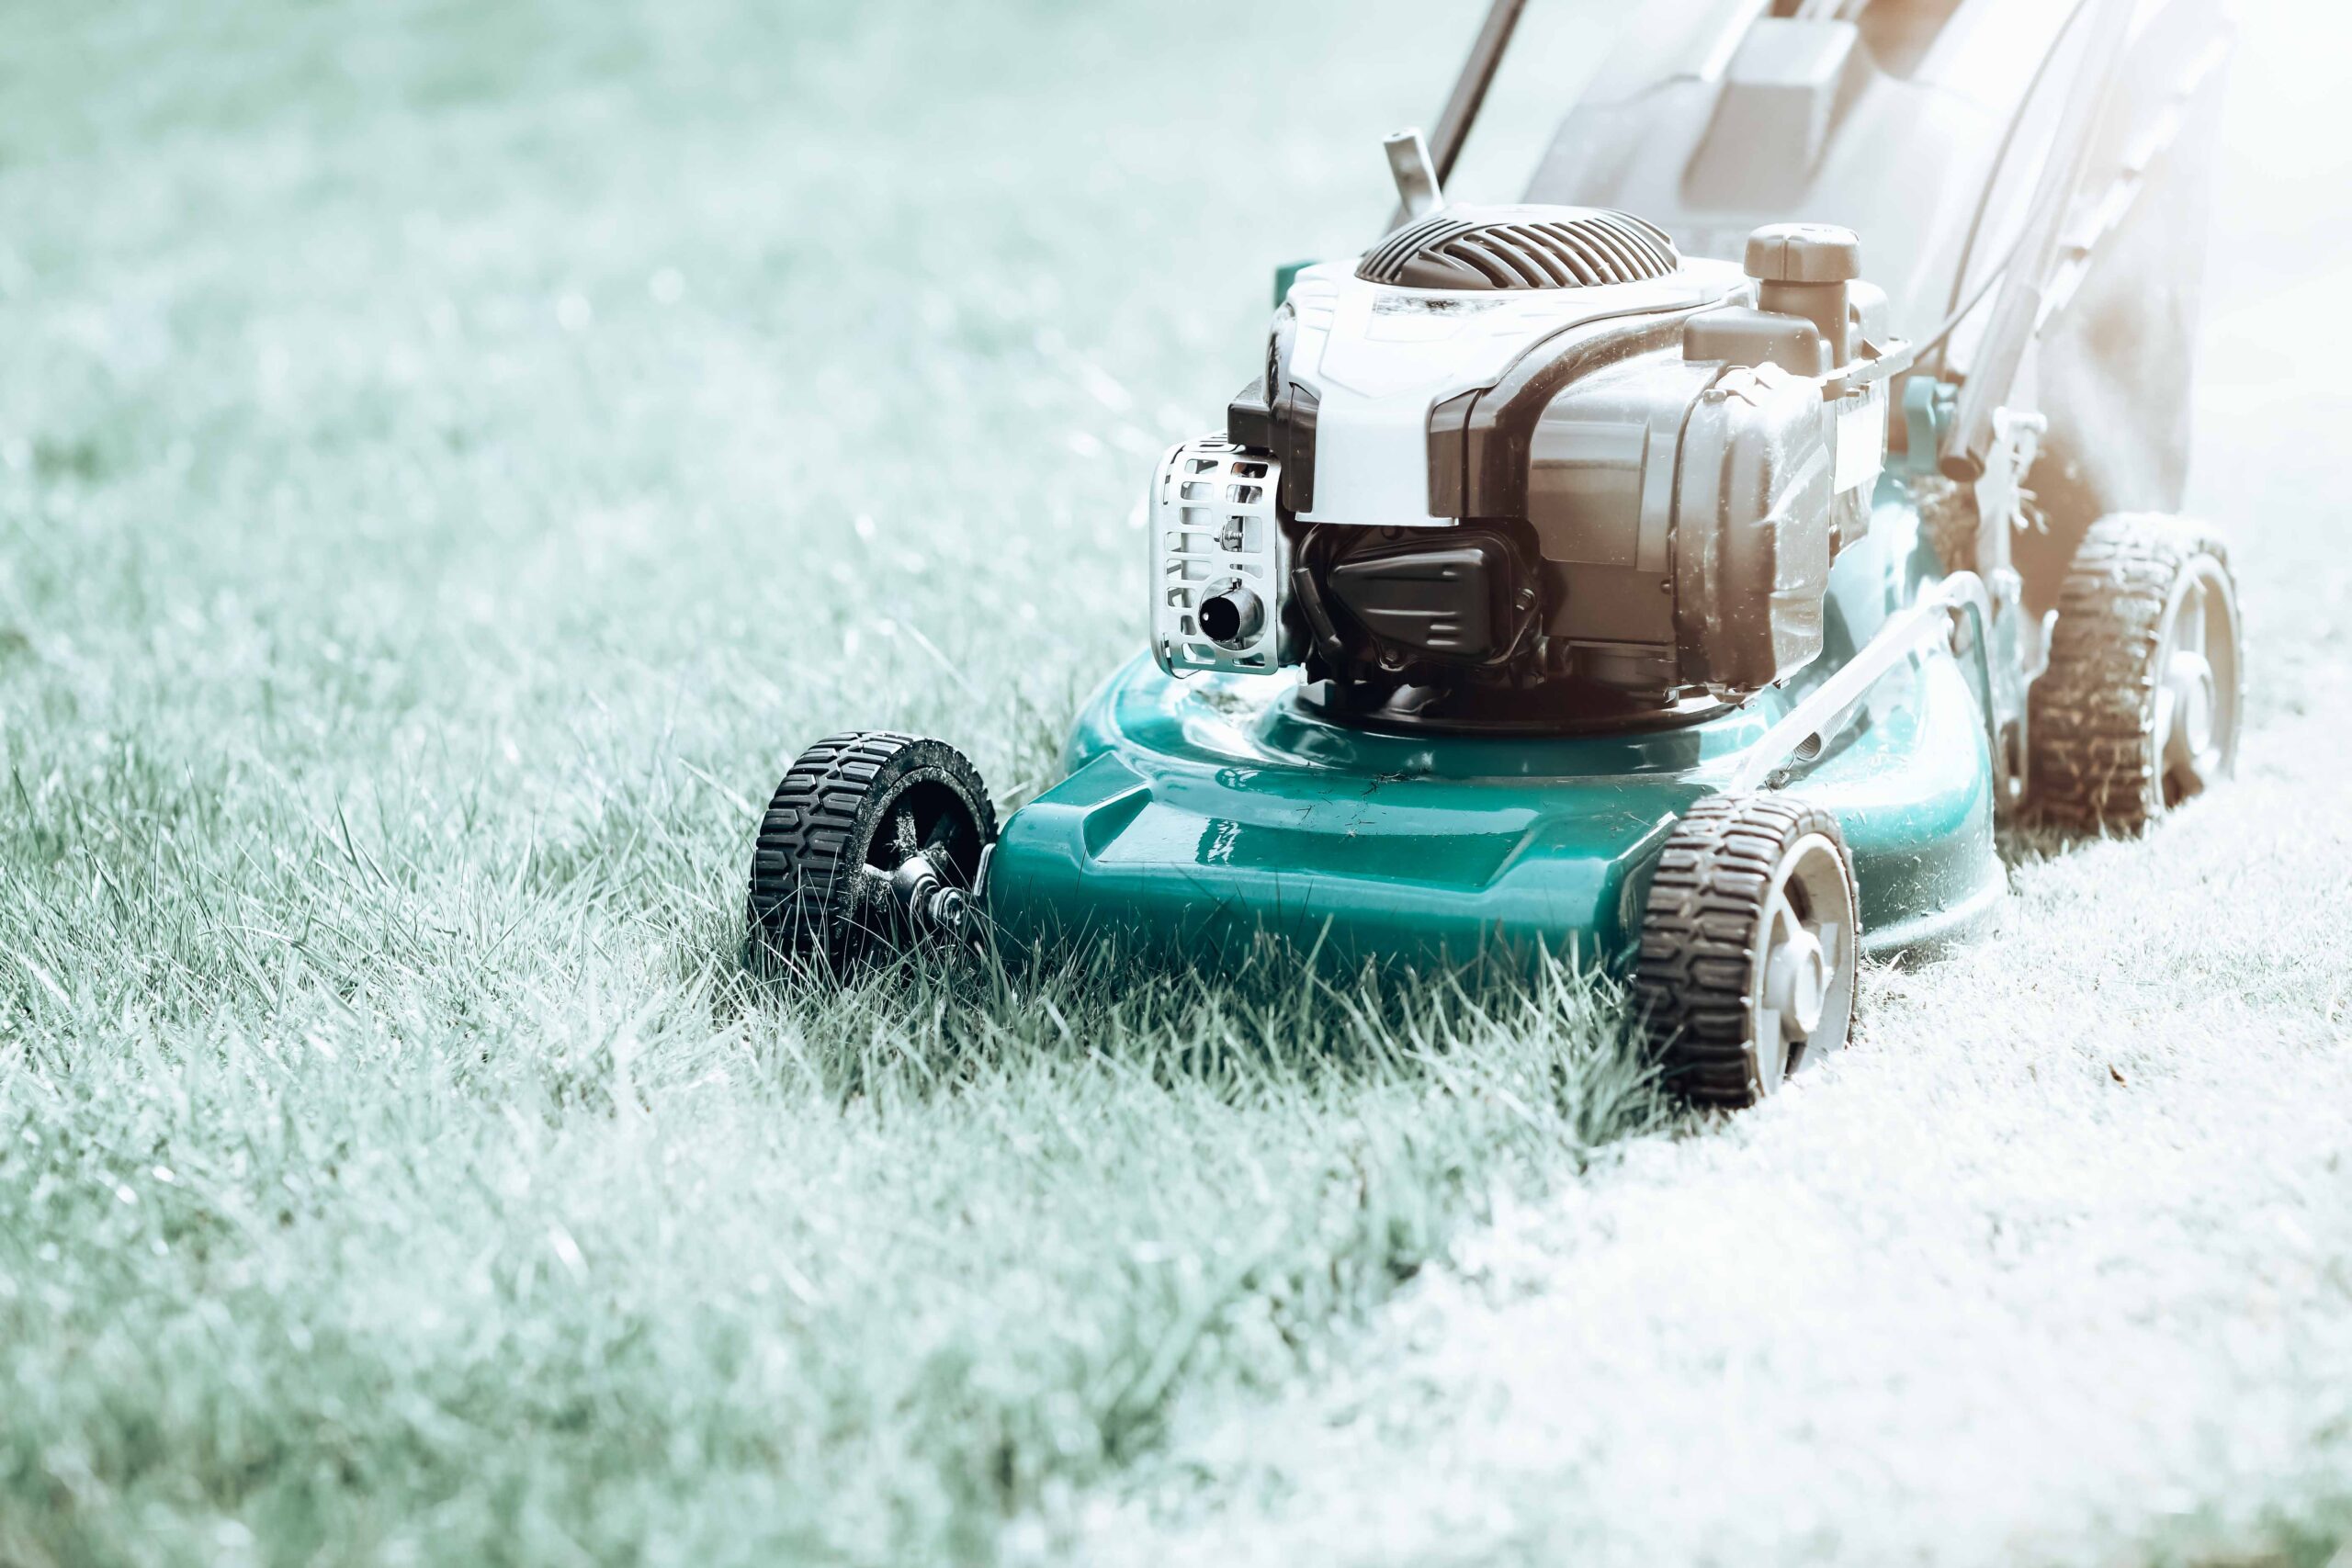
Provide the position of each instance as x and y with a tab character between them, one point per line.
1379	358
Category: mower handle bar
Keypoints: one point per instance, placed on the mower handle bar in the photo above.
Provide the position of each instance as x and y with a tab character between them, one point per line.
1822	712
1469	92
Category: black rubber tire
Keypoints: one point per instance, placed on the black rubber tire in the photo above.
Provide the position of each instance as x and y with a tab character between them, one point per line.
1696	976
812	898
2092	717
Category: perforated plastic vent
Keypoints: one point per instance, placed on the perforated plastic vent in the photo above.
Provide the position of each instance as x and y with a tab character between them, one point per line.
1522	247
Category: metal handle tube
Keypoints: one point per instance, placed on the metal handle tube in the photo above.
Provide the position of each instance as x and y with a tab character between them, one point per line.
1469	91
1817	714
1470	88
2017	310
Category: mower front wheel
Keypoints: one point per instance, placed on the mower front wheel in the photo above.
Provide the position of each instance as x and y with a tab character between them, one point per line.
1750	947
873	840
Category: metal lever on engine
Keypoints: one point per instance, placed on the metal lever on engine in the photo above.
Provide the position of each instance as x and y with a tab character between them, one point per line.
1417	194
1875	363
1461	105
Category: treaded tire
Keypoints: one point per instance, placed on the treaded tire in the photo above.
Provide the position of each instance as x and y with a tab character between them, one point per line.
849	810
2099	738
1706	943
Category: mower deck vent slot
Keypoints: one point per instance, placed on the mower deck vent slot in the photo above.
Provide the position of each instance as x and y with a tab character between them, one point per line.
1523	247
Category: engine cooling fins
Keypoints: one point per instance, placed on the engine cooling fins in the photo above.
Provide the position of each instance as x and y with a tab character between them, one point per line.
1491	248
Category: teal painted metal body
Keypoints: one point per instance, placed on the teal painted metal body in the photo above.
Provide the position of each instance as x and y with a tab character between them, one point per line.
1199	813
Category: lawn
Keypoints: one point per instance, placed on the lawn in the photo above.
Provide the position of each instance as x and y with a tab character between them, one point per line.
451	457
450	460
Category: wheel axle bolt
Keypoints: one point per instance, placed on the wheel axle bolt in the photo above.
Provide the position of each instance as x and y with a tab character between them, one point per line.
929	902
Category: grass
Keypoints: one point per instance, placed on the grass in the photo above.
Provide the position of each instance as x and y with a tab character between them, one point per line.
449	458
697	1273
452	455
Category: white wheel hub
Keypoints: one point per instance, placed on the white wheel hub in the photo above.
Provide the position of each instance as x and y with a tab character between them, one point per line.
1802	991
2196	718
1796	984
2189	709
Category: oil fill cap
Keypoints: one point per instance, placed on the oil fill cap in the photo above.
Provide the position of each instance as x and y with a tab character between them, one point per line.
1804	253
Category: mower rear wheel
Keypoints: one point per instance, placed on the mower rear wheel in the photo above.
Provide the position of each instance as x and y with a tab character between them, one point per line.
1750	947
873	839
2140	707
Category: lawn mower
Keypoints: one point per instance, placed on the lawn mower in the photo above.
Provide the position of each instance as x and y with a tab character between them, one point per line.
1686	566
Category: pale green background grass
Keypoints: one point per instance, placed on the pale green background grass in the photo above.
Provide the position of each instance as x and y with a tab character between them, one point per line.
451	457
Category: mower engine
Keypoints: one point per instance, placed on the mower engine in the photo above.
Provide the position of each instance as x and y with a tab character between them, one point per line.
1534	449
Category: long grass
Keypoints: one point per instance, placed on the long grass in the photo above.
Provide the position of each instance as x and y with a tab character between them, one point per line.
451	457
361	1213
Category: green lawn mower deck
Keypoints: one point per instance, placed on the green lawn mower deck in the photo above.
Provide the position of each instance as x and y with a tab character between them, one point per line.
1204	811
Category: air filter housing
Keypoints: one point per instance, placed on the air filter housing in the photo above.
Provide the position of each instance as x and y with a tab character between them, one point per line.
1487	248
